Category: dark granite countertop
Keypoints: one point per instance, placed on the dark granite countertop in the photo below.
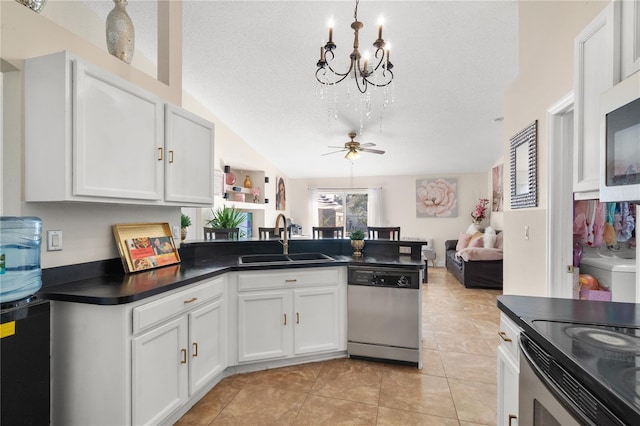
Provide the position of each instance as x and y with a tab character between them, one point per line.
523	309
118	288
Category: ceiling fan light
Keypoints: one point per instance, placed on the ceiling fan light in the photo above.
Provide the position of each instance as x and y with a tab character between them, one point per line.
352	155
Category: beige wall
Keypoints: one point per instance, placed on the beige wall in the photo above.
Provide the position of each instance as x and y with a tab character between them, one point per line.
399	205
547	33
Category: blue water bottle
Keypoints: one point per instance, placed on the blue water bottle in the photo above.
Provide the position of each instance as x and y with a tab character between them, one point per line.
20	272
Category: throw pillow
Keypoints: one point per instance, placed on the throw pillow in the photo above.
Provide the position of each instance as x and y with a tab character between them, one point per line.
476	240
472	229
463	241
489	238
499	241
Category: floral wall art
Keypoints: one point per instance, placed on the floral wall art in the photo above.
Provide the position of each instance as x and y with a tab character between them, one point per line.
436	198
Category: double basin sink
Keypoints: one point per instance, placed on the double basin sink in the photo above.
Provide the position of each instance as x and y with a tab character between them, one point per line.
283	259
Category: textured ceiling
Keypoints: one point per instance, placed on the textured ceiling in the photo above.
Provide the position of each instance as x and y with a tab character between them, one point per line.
252	64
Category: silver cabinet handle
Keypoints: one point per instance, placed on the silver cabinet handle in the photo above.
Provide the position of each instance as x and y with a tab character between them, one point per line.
195	349
184	356
511	418
285	319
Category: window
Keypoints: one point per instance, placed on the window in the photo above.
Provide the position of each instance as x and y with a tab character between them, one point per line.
346	209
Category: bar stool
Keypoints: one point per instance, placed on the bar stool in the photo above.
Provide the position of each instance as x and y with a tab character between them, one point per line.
324	232
384	232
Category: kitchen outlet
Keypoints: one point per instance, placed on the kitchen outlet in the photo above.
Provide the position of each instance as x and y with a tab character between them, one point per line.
405	250
526	232
54	240
176	232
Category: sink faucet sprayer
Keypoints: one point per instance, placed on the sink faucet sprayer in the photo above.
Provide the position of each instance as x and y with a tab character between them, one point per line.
285	241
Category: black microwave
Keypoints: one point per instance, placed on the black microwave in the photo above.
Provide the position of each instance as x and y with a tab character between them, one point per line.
620	141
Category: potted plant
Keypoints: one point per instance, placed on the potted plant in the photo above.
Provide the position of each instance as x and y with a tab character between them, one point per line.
227	218
185	222
357	242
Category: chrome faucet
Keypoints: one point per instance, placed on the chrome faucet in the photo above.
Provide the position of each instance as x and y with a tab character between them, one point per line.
285	241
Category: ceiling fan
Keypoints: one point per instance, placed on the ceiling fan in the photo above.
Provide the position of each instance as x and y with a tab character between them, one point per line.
353	148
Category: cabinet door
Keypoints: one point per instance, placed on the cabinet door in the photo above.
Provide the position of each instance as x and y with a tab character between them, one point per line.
507	389
264	324
189	157
117	137
159	372
317	320
597	68
630	37
207	340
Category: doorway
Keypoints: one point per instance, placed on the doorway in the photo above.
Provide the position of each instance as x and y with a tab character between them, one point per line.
560	198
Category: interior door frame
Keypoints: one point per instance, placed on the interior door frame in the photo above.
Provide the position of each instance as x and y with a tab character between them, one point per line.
560	134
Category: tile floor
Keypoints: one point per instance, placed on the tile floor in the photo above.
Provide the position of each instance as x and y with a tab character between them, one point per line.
457	385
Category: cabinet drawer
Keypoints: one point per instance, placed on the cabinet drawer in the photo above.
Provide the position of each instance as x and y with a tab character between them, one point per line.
510	336
157	311
287	278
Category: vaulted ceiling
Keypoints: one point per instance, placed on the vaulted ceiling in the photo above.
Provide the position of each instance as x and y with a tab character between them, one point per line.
252	64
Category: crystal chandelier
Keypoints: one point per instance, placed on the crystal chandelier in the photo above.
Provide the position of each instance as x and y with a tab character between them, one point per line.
378	74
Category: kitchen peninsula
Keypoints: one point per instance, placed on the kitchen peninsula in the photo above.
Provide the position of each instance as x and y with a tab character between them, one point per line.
168	335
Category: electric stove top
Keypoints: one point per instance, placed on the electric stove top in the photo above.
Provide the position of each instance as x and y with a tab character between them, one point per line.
610	354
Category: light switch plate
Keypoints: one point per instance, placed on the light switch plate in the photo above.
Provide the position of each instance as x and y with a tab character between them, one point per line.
54	240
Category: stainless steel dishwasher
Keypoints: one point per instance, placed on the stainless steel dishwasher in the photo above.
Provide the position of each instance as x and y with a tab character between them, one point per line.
384	308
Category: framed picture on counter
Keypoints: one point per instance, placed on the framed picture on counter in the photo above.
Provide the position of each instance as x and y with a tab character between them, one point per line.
145	246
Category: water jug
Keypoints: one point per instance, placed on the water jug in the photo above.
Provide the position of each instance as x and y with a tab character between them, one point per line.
20	273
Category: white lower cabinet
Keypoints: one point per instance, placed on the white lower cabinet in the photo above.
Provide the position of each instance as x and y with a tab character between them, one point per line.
208	341
317	320
286	314
137	363
175	360
508	372
159	372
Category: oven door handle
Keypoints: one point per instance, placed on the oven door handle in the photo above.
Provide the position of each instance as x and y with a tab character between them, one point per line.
557	393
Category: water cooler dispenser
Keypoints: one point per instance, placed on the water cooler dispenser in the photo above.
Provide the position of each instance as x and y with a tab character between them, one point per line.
24	325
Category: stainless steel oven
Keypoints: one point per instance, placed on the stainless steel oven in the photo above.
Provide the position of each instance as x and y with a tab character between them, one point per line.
385	314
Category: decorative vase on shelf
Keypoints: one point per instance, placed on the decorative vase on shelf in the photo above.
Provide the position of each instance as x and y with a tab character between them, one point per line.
230	178
183	234
120	32
247	182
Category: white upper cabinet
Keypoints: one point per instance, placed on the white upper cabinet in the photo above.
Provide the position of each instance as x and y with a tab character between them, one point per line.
597	68
95	137
189	151
630	37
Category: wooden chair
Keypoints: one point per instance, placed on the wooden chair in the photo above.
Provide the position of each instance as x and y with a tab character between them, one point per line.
384	232
221	234
324	232
269	233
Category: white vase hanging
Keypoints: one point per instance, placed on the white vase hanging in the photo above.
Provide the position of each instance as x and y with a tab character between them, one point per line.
120	32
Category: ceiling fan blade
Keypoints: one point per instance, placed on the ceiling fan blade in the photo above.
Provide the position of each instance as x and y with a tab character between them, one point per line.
368	144
341	147
373	151
334	152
